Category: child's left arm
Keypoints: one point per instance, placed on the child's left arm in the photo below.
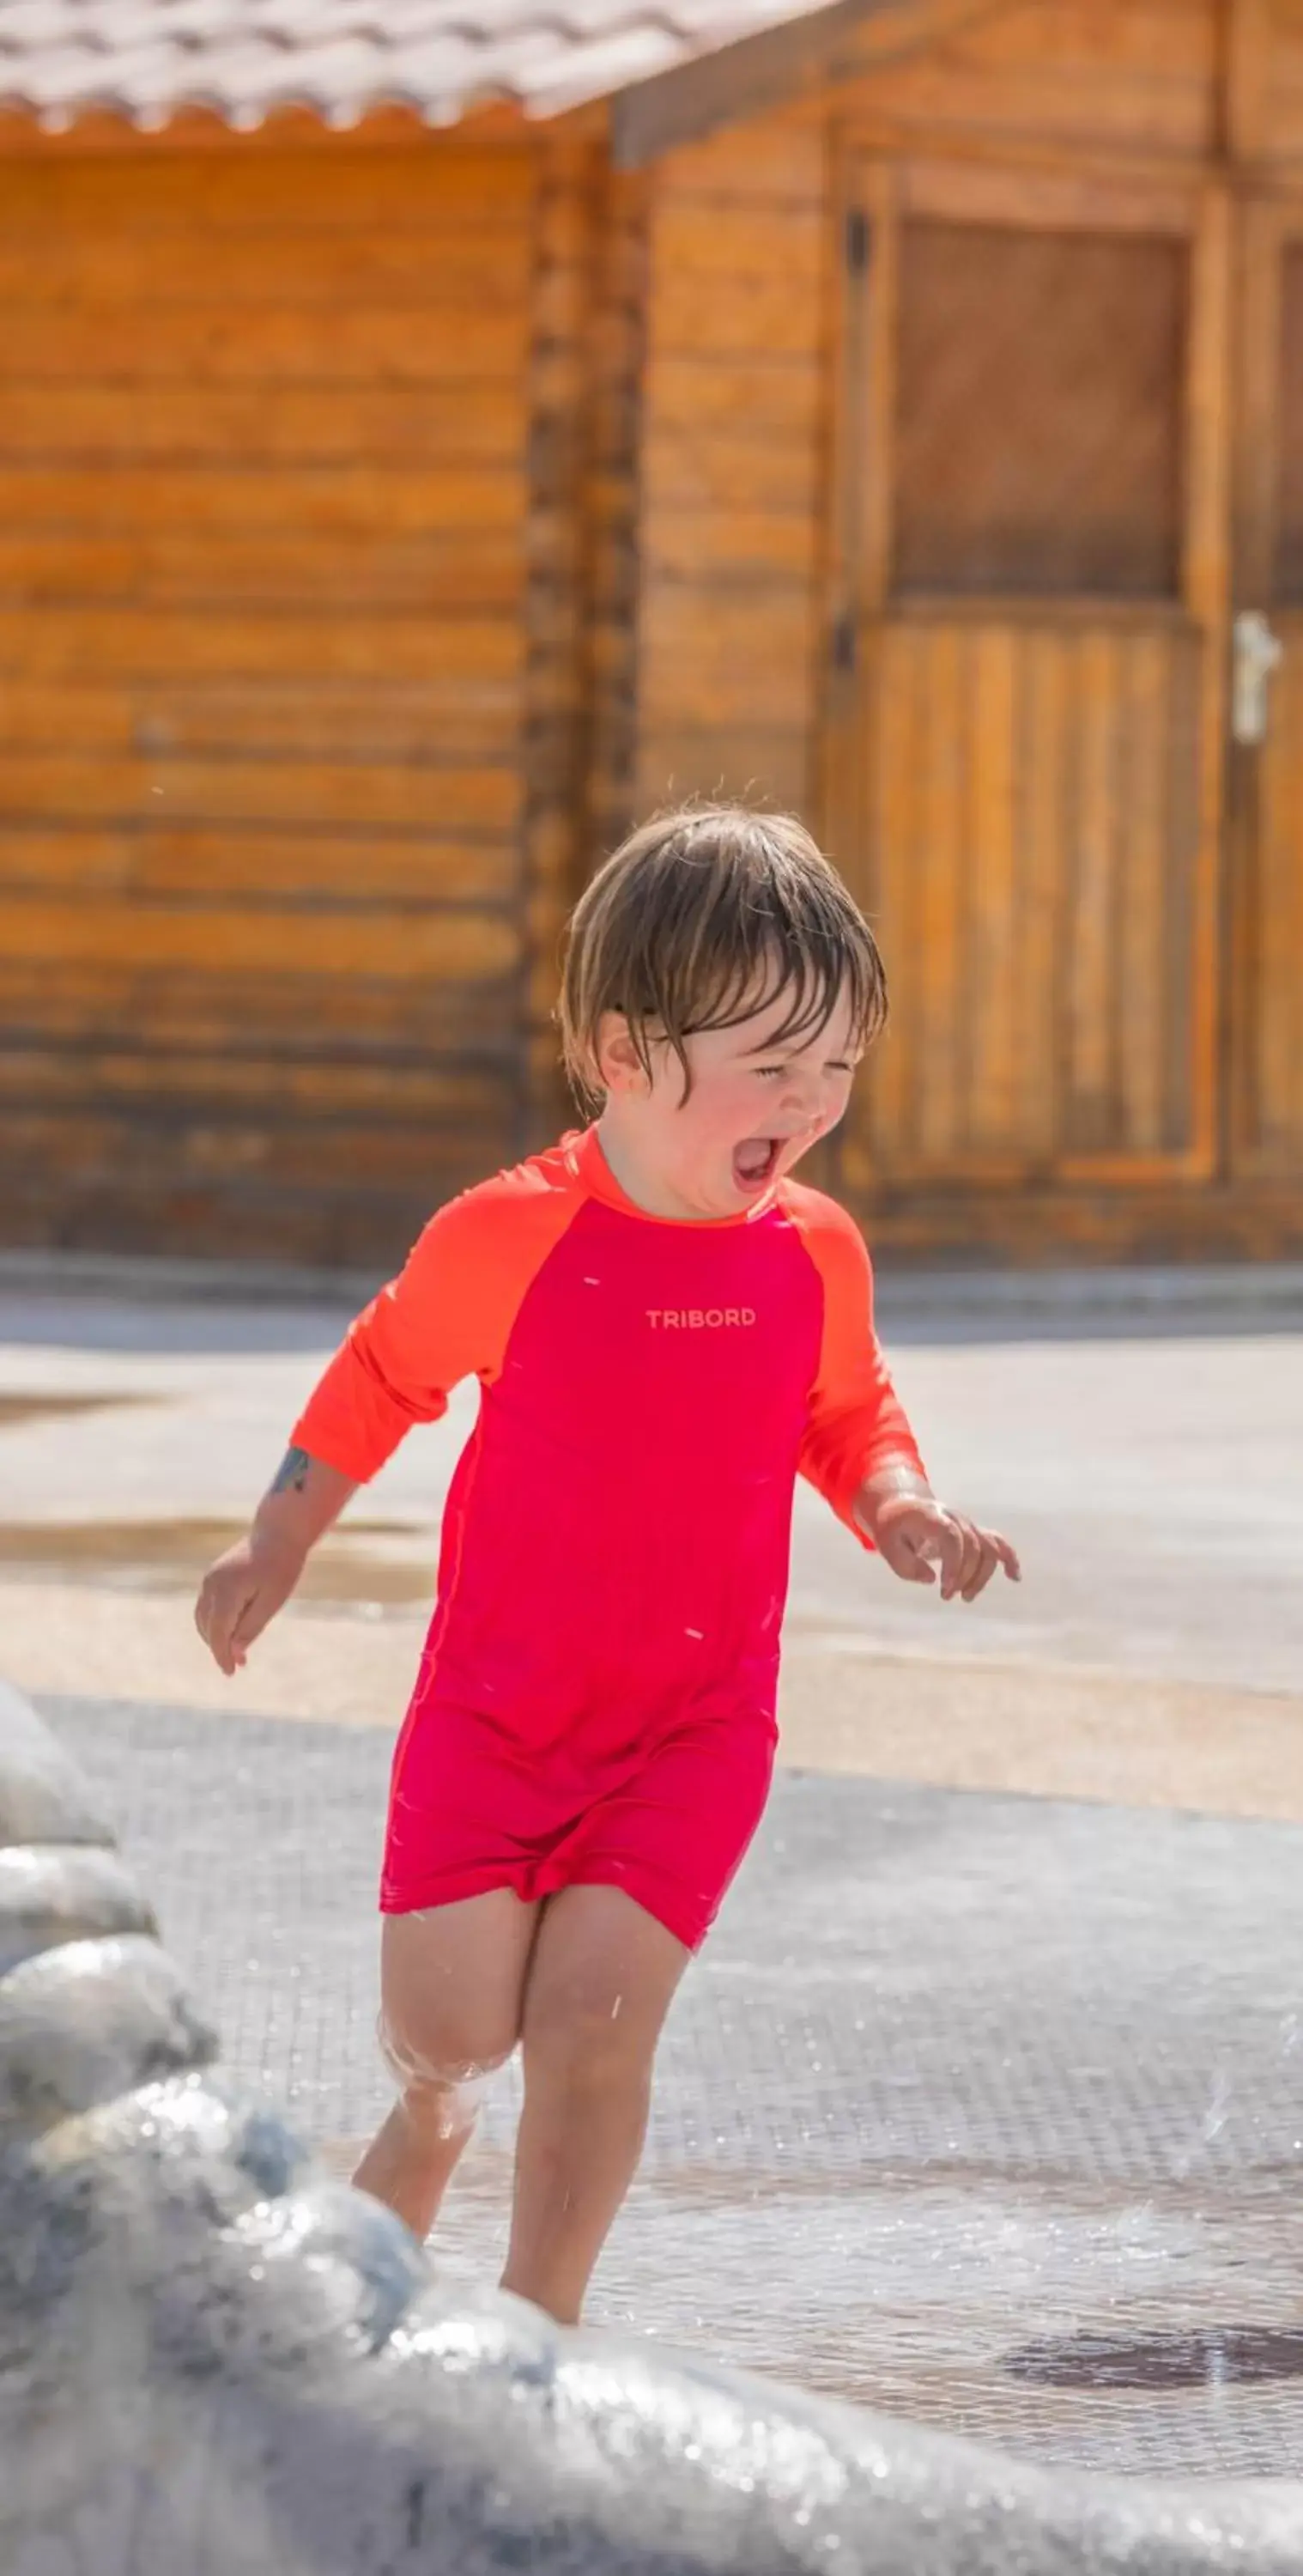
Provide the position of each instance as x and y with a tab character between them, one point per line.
918	1537
859	1450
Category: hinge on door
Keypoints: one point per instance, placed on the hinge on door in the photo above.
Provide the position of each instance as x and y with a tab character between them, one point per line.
843	642
857	241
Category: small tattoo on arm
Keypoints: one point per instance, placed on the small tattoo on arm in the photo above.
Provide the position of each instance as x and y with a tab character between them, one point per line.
292	1474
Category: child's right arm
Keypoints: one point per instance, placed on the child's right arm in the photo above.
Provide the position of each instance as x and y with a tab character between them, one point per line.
445	1317
392	1369
247	1586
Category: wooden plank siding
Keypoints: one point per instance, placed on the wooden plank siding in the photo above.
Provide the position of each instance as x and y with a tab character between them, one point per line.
1121	78
387	524
580	690
1269	98
555	705
264	486
737	377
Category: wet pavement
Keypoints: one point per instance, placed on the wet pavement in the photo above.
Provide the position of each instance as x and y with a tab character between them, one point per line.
987	2110
980	2106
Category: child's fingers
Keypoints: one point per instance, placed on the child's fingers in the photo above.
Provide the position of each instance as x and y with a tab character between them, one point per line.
252	1620
952	1543
219	1644
218	1613
923	1540
994	1551
984	1567
262	1601
214	1638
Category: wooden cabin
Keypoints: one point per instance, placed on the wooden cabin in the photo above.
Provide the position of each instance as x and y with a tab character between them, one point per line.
430	439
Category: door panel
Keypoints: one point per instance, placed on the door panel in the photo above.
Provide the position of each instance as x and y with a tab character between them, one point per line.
1033	803
1026	749
1039	412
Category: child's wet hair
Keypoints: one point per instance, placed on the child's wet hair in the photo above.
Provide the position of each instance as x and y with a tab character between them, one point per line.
701	918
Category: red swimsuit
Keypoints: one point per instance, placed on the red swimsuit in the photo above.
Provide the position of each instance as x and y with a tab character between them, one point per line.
595	1703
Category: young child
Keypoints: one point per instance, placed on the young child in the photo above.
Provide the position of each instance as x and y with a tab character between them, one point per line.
666	1327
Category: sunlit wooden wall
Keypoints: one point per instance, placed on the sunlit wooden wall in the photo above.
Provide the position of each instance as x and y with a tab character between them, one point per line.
387	523
263	494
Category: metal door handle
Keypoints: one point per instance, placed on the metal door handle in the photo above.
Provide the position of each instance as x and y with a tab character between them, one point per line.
1257	654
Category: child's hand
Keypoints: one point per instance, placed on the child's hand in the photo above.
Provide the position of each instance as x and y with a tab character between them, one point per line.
914	1534
241	1593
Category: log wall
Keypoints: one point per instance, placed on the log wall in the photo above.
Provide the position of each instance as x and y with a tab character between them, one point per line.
584	443
735	413
385	526
1115	76
263	498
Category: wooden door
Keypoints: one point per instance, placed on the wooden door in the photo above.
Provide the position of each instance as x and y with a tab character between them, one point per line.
1266	784
1027	704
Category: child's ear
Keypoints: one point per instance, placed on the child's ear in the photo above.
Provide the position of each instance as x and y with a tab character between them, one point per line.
620	1067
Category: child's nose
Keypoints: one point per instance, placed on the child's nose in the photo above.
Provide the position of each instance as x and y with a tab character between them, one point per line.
800	1095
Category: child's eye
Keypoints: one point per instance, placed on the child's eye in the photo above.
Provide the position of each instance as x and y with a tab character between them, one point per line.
769	1072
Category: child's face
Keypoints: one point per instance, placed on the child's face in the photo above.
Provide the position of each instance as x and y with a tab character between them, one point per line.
753	1108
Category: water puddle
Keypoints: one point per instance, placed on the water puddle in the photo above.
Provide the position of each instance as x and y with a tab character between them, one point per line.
1216	2356
171	1555
18	1410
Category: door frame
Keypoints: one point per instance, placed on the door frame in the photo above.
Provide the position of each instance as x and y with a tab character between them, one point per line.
1269	218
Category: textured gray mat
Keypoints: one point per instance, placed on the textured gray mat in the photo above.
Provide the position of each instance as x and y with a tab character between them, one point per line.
989	2111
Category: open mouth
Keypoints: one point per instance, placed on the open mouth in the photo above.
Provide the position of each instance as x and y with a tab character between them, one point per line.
755	1161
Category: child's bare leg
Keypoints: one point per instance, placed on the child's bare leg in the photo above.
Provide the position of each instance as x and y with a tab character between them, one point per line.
600	1983
451	1983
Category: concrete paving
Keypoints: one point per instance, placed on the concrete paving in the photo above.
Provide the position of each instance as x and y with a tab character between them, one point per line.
984	2102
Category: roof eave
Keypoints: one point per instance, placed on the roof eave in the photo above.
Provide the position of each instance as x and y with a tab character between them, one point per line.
102	127
772	66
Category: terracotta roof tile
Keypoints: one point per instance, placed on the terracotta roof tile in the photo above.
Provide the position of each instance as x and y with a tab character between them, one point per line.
146	59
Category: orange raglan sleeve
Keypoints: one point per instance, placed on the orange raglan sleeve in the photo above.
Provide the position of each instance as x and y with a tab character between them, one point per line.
857	1424
445	1317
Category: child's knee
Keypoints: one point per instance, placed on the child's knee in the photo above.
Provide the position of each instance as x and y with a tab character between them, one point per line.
442	2075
